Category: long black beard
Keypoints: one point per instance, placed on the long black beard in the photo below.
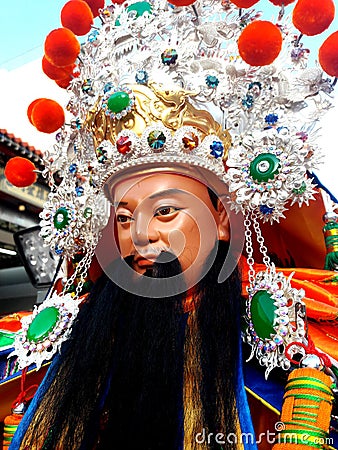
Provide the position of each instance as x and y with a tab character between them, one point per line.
121	378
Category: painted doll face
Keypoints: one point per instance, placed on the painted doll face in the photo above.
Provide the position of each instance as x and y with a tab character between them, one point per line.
167	212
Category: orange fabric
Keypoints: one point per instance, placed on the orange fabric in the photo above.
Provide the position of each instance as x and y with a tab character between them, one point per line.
325	337
12	322
319	310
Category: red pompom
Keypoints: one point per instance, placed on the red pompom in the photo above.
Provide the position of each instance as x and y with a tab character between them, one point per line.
47	115
182	2
64	82
281	2
61	47
312	17
260	43
30	109
77	16
95	5
20	172
54	72
244	3
117	2
328	55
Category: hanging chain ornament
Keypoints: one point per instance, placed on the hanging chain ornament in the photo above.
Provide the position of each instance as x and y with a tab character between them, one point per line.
275	312
43	332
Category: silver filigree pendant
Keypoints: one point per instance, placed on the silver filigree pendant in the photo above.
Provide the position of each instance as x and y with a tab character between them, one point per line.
45	330
276	318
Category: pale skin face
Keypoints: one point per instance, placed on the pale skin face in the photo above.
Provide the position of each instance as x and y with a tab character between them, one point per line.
167	211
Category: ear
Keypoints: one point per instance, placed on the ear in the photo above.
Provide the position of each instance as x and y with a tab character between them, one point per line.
223	222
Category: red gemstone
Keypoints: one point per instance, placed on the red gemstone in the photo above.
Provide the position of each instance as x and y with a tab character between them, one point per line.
123	145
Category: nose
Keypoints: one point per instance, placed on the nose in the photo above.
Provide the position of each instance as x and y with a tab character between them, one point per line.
144	230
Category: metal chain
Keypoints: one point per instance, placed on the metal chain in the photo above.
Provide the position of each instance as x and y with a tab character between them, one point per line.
262	247
81	271
249	249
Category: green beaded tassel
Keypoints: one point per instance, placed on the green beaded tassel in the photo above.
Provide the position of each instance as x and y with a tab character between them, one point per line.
330	231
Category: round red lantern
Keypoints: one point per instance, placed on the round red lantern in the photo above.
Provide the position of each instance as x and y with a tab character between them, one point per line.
328	55
312	17
77	16
47	115
244	3
20	172
281	2
54	72
182	2
61	47
260	43
95	5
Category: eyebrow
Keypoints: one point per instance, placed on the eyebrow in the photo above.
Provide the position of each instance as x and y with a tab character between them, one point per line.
168	192
163	193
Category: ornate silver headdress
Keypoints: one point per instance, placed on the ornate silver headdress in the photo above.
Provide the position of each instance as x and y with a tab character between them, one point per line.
164	86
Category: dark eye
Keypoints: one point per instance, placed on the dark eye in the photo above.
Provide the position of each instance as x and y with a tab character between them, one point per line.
165	211
122	218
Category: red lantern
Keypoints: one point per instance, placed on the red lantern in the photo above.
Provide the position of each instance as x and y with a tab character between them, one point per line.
95	5
77	16
46	115
182	2
260	43
54	72
244	3
20	172
328	55
61	47
281	2
312	17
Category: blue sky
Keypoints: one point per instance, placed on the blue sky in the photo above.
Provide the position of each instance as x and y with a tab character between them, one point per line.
25	26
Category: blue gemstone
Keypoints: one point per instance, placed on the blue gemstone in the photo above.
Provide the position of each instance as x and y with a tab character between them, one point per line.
217	149
248	101
212	81
73	168
93	35
107	87
141	77
266	210
169	56
255	83
58	250
79	191
156	139
271	119
87	86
